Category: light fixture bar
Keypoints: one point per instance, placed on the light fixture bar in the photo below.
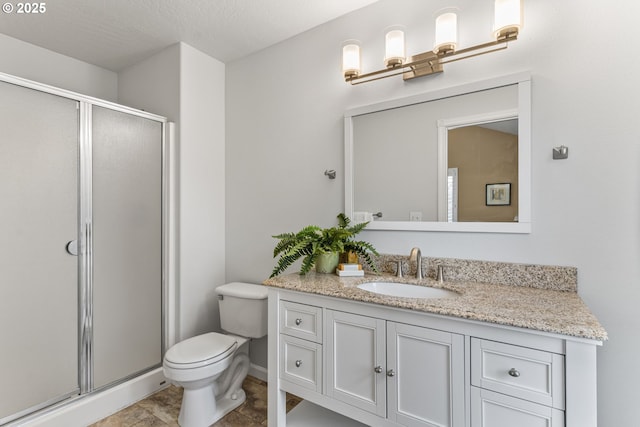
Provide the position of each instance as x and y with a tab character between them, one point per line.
473	55
427	63
453	56
506	26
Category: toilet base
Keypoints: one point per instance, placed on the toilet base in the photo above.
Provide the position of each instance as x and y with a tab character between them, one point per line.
226	405
206	401
203	399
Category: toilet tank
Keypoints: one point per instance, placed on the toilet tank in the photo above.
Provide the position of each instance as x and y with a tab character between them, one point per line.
243	309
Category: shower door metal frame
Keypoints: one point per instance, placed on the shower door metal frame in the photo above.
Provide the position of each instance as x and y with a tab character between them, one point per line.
85	234
85	253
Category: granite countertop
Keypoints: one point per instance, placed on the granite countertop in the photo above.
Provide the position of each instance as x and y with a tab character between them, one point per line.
548	310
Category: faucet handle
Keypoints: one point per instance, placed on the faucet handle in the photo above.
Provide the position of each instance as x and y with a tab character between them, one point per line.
440	275
399	269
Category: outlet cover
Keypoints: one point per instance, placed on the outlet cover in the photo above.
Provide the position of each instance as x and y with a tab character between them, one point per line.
415	216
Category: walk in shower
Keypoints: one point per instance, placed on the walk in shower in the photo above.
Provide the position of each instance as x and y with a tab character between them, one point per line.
82	247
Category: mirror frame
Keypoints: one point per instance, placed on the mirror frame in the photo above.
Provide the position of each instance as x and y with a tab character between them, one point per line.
523	80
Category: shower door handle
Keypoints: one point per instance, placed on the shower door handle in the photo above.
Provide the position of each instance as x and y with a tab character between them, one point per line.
72	248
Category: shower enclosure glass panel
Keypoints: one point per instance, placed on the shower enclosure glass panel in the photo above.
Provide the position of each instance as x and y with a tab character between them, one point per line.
127	245
38	277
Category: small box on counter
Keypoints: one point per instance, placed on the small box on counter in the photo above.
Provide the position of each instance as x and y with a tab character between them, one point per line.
349	267
349	273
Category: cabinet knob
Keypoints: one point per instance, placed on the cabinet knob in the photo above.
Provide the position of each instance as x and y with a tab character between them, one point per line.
390	373
378	369
514	372
298	363
298	321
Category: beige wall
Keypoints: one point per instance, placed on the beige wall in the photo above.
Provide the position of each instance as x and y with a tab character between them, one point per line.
483	156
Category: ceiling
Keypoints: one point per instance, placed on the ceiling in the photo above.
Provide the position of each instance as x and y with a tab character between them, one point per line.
114	34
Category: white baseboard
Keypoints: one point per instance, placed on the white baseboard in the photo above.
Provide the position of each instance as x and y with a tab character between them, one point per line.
259	372
88	410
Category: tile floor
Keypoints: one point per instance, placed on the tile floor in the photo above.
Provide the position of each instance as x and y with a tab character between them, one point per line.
163	407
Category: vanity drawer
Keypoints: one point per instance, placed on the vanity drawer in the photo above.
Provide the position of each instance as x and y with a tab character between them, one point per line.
301	320
301	362
491	409
533	375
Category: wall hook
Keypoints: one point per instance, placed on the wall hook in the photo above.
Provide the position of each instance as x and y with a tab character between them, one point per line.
330	173
561	152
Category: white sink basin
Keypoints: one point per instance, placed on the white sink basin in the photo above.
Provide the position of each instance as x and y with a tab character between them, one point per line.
406	290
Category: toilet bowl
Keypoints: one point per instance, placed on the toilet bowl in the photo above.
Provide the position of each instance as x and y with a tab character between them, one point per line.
211	367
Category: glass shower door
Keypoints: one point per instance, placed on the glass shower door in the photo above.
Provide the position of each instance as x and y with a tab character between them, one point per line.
38	276
127	245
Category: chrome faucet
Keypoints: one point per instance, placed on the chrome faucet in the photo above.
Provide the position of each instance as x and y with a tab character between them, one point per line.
417	254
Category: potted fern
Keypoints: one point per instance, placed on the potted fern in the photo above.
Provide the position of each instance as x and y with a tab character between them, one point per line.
321	247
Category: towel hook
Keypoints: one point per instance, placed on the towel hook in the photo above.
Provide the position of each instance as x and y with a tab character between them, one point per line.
330	173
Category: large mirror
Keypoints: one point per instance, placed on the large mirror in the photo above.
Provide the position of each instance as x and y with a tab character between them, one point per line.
456	159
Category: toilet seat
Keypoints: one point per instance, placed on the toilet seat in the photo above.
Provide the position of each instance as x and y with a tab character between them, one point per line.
200	351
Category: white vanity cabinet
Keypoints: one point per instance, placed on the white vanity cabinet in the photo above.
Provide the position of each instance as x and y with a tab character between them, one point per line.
386	366
410	375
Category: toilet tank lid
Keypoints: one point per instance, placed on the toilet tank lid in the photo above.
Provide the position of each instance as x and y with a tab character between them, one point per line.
243	290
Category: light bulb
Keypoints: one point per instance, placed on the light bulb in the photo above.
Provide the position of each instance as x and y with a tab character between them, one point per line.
446	33
351	59
508	18
394	48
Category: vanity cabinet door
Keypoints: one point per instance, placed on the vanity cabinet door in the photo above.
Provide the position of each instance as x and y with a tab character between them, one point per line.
356	353
425	376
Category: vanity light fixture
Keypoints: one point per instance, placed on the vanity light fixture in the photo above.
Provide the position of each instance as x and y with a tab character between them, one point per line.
351	59
507	24
446	33
394	47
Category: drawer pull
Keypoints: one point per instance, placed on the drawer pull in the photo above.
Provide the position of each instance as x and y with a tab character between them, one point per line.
514	372
298	363
378	369
298	321
390	373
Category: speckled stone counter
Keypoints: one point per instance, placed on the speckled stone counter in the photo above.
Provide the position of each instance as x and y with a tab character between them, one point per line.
544	309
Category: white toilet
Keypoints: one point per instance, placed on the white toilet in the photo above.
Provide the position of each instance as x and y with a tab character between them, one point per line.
211	367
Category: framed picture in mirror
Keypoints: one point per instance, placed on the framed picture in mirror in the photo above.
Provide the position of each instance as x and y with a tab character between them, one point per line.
498	194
